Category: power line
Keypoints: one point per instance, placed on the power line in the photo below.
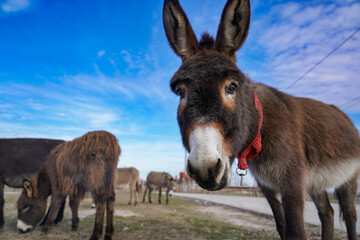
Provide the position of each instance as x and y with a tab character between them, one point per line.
351	102
318	63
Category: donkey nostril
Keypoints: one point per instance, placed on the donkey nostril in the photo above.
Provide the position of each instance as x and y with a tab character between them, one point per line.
215	170
218	166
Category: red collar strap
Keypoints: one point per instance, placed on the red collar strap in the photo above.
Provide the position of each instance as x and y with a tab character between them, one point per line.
255	147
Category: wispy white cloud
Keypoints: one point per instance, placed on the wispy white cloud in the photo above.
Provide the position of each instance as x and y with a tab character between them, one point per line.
298	37
11	6
99	83
101	53
134	61
21	130
5	106
101	119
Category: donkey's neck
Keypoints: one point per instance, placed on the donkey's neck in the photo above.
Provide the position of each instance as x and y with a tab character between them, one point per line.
251	118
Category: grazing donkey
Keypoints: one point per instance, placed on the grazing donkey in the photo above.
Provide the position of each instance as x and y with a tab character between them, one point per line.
306	145
20	158
159	180
128	176
87	163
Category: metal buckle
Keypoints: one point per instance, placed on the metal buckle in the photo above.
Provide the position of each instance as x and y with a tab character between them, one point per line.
241	173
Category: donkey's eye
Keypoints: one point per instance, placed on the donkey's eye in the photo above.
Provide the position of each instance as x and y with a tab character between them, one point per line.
180	92
231	88
25	209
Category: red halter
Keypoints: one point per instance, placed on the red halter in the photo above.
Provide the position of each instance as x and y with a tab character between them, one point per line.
255	147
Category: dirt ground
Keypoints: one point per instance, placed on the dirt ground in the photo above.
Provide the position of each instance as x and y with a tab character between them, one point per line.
253	222
257	222
239	218
177	217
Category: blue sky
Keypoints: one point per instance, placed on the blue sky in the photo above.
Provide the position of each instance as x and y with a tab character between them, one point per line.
69	67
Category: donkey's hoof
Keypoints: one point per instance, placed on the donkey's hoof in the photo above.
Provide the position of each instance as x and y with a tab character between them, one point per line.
45	229
93	237
108	237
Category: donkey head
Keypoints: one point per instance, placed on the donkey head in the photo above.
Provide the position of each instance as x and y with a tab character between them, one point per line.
31	207
216	98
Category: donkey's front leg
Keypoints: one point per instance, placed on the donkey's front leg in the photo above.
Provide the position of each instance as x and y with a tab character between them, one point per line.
276	208
74	205
167	195
2	204
110	208
131	193
293	205
60	214
136	194
146	189
150	191
100	201
159	200
55	204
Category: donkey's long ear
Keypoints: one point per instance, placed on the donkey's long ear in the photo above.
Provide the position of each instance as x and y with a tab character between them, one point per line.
233	28
178	30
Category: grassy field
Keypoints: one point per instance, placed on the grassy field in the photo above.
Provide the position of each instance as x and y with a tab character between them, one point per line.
178	220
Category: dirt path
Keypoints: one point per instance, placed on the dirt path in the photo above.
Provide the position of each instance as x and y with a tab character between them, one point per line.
240	218
254	220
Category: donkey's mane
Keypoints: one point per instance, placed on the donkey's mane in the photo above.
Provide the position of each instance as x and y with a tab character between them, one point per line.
92	142
206	41
79	157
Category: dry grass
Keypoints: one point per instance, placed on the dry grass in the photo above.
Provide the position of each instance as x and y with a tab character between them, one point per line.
178	220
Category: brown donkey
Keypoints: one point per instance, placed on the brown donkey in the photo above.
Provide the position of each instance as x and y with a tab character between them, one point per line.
307	146
87	163
159	180
128	176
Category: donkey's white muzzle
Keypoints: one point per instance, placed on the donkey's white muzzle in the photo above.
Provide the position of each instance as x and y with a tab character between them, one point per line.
23	227
207	164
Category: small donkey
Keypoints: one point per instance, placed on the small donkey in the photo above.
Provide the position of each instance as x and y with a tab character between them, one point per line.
293	145
159	180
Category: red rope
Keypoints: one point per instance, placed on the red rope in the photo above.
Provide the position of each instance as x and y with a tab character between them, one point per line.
255	147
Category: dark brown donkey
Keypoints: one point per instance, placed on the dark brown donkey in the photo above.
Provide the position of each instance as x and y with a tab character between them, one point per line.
87	163
307	146
20	158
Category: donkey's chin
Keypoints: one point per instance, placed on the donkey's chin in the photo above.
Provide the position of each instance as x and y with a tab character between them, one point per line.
210	183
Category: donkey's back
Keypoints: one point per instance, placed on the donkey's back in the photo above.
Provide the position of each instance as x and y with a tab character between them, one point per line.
156	179
126	175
